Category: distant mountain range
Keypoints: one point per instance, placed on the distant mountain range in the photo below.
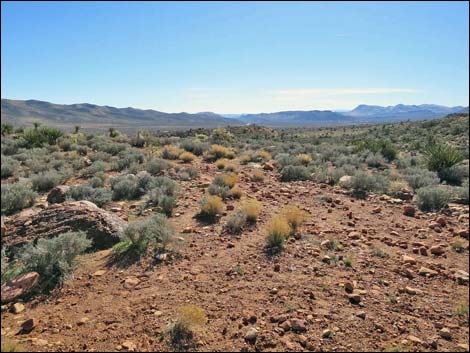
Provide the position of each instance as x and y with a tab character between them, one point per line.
21	112
25	112
401	111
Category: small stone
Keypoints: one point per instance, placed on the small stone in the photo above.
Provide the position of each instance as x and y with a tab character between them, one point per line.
298	325
28	325
17	308
131	282
408	260
409	211
437	250
129	345
327	333
424	271
354	298
445	333
99	273
251	335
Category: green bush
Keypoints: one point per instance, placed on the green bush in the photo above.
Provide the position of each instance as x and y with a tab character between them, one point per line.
418	178
46	181
236	222
8	167
157	166
294	173
440	157
155	231
433	198
16	197
362	182
53	258
99	196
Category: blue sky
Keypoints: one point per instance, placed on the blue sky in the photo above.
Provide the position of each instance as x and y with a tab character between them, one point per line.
234	57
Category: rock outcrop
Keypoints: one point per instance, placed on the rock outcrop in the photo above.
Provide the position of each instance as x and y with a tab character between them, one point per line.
19	286
101	226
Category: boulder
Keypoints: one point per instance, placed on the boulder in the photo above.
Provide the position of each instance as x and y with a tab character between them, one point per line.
101	226
57	195
19	286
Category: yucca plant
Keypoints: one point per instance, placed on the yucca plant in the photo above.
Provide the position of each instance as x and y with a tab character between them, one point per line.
441	157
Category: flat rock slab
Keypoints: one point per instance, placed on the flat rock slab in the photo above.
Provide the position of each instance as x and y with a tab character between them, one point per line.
101	226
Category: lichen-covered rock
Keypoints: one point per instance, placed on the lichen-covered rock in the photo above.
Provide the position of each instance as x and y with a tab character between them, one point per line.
58	194
101	226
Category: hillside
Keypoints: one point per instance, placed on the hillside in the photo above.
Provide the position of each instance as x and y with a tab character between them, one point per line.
21	112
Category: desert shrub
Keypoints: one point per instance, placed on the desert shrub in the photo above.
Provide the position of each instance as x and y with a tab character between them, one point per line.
188	174
10	268
433	198
94	168
236	192
221	163
294	173
462	193
153	231
16	197
219	190
304	159
163	199
171	152
277	231
125	187
252	209
236	222
99	196
46	181
195	147
211	206
362	182
228	180
257	176
8	167
418	178
101	156
129	157
157	166
189	318
375	160
454	175
294	217
285	159
7	129
187	157
53	258
385	147
216	152
97	181
81	150
440	157
221	135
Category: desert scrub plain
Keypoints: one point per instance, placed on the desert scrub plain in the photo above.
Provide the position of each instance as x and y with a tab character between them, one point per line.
236	239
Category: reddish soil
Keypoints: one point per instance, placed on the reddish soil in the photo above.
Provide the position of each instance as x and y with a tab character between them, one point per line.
238	285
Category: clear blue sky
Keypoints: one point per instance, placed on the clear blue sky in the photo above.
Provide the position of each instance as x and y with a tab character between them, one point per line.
234	57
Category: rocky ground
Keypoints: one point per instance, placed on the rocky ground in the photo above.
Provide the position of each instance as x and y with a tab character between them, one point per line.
363	276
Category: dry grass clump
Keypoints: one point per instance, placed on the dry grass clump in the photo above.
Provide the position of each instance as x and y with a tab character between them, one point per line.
189	318
257	175
171	152
304	159
187	157
252	209
8	345
229	180
216	152
221	163
211	206
276	233
236	192
294	217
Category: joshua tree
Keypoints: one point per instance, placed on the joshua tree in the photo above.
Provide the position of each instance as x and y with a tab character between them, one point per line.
77	128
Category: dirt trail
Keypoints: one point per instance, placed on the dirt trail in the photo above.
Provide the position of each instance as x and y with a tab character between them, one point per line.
239	287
